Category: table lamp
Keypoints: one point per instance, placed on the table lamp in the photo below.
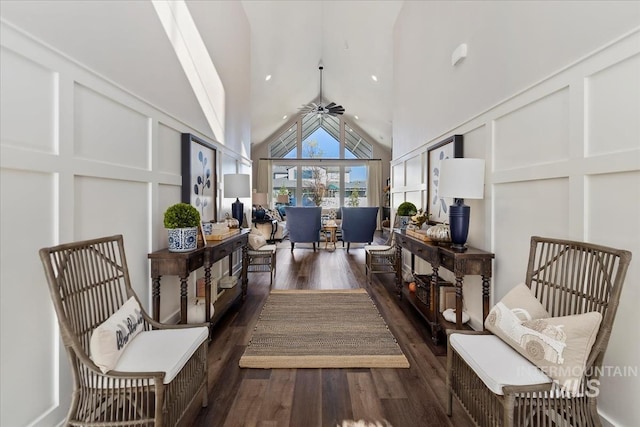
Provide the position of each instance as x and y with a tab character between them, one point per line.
259	200
237	185
461	179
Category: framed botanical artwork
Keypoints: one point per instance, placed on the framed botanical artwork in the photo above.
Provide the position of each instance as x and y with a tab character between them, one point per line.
199	175
437	206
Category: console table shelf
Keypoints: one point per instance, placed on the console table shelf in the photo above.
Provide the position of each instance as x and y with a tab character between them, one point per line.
470	262
181	264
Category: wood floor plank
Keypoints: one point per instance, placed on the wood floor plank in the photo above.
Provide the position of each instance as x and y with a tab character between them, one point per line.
388	384
306	409
364	399
278	399
247	404
336	398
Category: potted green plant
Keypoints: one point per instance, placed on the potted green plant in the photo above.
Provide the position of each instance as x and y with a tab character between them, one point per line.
405	211
182	221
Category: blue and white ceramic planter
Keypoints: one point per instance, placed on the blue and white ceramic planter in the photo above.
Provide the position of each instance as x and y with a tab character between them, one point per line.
404	221
183	239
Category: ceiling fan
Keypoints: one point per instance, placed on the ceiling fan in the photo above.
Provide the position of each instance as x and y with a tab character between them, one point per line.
331	109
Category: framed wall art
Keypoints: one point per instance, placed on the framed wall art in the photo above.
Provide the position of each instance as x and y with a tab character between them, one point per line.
437	206
199	175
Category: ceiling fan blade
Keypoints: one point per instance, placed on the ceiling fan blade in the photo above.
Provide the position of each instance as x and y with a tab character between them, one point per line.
338	109
312	108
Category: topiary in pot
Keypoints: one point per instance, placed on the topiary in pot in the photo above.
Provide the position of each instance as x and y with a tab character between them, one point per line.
405	210
182	221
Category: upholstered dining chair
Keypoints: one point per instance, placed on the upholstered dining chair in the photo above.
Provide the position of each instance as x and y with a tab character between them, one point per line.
359	224
127	369
304	224
505	382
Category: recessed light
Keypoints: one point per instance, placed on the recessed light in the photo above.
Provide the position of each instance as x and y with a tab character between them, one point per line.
284	117
350	130
267	78
374	77
356	117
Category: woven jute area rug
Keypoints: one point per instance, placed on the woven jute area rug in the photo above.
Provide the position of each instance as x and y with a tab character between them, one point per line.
322	329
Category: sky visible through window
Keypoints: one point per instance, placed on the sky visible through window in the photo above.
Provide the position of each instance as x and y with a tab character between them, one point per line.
330	149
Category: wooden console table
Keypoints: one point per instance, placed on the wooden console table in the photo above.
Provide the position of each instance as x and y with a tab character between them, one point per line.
181	264
470	262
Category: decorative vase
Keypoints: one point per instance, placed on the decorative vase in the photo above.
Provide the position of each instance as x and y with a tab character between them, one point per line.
196	311
183	239
404	221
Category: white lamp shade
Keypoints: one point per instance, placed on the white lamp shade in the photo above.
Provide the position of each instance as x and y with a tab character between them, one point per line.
259	199
462	178
237	185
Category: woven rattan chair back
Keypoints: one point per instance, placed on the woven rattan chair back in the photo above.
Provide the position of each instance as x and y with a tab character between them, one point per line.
575	277
88	282
568	278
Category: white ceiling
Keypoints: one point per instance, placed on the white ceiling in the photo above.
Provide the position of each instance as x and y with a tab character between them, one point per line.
353	40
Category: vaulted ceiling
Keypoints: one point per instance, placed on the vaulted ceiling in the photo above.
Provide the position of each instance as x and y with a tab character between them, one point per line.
352	39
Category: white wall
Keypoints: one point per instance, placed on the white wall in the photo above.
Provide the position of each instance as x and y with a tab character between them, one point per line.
554	110
83	156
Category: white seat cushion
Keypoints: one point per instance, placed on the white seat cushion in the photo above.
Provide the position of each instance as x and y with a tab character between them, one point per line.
495	362
376	247
166	350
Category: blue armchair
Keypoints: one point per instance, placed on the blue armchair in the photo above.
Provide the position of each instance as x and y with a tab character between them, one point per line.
358	225
304	225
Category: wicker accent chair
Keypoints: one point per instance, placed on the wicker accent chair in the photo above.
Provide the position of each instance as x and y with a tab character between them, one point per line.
567	278
89	281
263	260
382	259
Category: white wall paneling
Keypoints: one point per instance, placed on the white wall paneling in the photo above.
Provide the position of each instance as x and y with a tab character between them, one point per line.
534	134
611	109
29	95
614	219
563	160
27	319
105	129
80	158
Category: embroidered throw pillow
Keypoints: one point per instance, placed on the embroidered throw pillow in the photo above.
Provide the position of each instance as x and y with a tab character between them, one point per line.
109	340
559	346
516	306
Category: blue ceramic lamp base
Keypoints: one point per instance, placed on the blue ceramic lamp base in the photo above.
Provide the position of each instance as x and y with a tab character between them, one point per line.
459	224
237	210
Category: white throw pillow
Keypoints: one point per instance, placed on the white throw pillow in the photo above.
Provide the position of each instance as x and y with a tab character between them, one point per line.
256	241
109	340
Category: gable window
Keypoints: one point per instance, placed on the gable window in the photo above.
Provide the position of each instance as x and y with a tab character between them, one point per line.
321	161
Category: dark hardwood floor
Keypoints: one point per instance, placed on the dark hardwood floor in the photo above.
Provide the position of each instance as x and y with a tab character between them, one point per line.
325	397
